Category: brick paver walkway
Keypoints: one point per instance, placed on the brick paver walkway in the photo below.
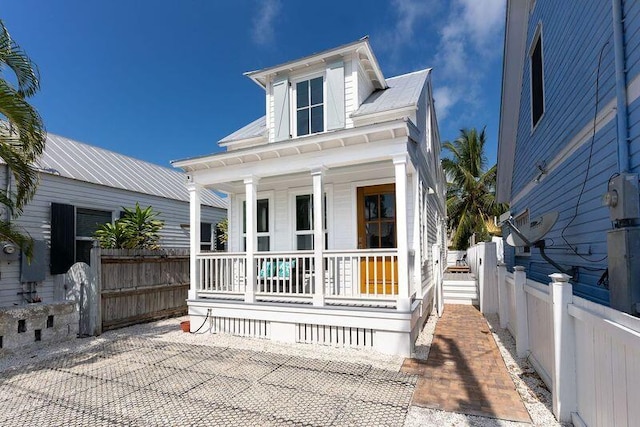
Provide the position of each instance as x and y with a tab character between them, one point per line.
464	371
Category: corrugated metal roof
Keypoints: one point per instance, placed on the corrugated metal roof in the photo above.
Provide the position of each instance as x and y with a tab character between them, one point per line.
76	160
254	129
403	91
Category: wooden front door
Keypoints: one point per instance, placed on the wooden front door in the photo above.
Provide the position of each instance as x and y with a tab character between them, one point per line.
377	230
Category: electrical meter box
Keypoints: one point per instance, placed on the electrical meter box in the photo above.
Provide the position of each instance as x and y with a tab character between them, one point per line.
624	269
623	197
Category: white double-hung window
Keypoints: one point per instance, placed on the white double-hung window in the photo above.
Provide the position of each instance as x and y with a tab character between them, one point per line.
304	222
263	225
308	104
309	97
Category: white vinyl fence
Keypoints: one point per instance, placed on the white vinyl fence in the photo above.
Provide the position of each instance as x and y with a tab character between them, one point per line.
588	354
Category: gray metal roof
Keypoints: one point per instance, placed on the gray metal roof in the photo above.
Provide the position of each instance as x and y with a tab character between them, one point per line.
403	91
72	159
254	129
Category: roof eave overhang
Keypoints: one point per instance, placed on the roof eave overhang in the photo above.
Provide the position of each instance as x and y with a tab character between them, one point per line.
317	142
512	68
253	139
260	77
396	112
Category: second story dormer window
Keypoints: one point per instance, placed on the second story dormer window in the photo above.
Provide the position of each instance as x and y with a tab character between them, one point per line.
309	106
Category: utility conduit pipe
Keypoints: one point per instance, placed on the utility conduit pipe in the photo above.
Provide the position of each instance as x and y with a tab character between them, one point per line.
621	87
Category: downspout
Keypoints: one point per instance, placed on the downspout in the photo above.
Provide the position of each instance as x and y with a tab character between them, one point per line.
621	87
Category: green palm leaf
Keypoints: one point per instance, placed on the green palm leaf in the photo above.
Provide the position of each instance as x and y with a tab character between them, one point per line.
22	134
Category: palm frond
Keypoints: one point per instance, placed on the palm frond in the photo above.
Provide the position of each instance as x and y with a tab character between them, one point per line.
13	57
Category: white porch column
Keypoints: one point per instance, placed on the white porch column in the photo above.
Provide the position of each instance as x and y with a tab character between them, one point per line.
250	186
194	238
522	317
318	237
403	301
564	349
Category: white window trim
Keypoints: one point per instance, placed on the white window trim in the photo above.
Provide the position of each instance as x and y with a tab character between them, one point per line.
212	238
293	104
354	201
328	192
75	225
75	219
536	36
270	196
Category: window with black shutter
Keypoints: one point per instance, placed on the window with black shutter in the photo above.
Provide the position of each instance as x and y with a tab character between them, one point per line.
87	223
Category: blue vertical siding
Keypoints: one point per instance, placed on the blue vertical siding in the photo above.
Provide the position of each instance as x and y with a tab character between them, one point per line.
570	58
574	35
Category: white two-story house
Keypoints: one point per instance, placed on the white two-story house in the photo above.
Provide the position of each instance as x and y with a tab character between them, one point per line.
336	208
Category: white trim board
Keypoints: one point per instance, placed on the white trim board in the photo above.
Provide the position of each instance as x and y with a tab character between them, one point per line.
606	114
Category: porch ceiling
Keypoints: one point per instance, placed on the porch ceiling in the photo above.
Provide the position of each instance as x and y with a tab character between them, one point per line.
378	170
348	147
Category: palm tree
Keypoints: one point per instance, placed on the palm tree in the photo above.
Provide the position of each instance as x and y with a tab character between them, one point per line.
22	134
471	203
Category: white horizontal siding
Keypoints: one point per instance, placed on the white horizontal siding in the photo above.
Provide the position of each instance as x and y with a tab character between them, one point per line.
270	113
365	88
344	227
284	223
350	92
36	222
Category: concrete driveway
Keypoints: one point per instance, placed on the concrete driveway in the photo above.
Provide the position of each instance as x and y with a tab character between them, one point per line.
152	375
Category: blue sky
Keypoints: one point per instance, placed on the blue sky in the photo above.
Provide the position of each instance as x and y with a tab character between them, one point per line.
162	79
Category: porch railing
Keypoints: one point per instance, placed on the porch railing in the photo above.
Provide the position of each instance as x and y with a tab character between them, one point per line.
222	273
284	273
370	274
362	274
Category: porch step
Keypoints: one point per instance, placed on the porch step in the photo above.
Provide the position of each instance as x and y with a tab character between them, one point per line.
460	292
461	301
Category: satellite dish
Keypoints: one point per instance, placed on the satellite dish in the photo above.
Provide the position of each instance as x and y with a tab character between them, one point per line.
534	232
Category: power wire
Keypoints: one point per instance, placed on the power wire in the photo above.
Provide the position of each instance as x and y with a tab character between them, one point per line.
586	175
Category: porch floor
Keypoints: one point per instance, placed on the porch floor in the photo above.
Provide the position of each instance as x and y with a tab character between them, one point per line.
465	372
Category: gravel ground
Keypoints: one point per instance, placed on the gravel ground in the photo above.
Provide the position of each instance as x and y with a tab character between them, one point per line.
168	330
536	397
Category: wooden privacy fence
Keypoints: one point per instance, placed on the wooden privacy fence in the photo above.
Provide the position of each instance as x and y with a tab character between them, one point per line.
137	286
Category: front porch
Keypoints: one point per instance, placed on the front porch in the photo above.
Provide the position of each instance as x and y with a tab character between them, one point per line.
357	278
330	240
356	306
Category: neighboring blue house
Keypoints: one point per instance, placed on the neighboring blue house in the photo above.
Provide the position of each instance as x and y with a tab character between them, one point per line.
568	67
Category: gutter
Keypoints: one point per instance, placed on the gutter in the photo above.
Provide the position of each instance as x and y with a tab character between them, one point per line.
621	87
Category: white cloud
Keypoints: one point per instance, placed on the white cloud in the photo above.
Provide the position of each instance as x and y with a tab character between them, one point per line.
444	99
408	13
470	39
262	31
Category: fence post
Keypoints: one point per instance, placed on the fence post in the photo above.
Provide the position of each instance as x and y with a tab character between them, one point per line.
564	351
95	286
502	294
522	323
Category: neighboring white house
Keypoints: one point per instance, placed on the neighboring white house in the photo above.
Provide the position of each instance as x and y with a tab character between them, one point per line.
336	208
80	187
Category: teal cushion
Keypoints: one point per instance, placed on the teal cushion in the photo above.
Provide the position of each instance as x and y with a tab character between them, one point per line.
284	268
266	270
